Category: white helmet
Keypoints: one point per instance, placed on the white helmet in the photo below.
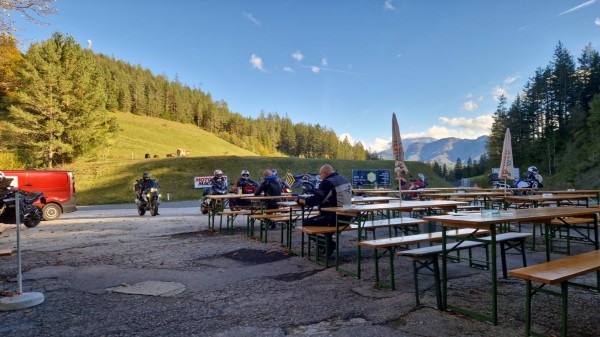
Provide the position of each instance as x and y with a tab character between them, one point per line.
274	171
245	173
532	169
218	173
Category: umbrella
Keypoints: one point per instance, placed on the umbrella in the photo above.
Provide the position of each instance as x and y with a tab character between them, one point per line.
507	169
400	168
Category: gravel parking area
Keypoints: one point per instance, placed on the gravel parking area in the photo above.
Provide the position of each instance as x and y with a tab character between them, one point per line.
91	266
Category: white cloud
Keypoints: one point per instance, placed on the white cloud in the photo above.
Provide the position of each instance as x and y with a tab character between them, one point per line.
578	7
324	62
250	17
503	89
379	145
297	55
469	106
256	62
500	91
511	79
315	69
388	5
288	69
461	127
597	21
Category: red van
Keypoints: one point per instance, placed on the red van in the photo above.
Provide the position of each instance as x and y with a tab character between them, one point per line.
58	188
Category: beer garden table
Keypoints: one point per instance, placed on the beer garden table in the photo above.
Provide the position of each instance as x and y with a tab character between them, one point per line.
477	221
361	213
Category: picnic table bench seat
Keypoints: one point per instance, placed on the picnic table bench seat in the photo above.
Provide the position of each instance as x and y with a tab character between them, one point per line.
317	234
391	244
557	272
427	257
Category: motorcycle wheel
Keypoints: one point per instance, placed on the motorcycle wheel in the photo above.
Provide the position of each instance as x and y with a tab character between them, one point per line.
33	219
141	211
154	208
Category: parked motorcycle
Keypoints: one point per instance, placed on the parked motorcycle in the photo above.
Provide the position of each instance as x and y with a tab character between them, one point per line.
30	214
149	199
218	188
418	184
533	181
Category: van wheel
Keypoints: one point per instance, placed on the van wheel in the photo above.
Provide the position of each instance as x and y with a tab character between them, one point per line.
51	212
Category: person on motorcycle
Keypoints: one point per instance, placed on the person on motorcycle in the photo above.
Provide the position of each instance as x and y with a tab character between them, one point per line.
245	183
142	185
217	178
533	174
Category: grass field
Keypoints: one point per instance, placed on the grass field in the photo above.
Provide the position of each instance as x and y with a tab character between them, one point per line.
108	176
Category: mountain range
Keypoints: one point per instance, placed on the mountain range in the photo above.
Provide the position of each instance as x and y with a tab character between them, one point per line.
444	151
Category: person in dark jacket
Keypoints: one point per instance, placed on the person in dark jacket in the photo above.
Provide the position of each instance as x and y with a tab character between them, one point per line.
270	186
333	191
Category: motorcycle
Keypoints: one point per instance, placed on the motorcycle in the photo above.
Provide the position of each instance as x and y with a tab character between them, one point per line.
30	215
418	184
530	182
149	199
219	187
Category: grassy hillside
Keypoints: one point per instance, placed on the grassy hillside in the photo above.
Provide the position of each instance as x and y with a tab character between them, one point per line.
108	176
139	135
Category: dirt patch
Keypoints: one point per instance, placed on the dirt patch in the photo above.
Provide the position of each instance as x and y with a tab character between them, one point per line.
254	256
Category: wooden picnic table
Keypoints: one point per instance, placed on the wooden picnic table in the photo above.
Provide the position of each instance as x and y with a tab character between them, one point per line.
364	212
486	196
545	198
477	221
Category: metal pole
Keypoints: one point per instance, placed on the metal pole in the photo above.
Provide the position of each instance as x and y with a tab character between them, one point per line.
18	222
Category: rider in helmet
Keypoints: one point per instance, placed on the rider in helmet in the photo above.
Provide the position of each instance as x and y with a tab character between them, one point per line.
218	176
533	174
143	184
245	183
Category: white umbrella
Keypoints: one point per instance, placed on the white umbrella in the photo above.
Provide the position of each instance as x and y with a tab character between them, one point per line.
507	169
400	167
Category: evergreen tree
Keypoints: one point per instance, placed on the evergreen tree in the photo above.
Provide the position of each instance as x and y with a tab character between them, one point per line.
60	112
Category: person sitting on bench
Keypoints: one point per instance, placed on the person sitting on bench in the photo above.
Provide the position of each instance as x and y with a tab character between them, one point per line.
333	191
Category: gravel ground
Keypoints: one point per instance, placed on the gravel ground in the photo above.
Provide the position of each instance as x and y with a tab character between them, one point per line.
237	286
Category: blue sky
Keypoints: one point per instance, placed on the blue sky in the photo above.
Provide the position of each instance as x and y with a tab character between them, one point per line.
346	64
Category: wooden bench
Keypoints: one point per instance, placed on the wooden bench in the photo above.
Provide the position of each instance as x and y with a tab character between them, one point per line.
317	233
557	272
391	244
427	257
230	217
564	227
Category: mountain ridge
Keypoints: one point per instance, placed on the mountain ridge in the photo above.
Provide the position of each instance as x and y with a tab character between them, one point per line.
444	151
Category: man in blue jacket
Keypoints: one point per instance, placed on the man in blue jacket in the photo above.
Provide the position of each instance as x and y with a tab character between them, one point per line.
334	191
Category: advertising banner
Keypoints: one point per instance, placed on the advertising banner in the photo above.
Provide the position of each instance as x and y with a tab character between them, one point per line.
204	182
371	178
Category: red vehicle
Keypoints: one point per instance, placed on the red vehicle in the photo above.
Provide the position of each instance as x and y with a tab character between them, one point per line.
58	188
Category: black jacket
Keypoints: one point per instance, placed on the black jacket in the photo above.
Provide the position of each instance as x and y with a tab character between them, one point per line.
271	186
334	191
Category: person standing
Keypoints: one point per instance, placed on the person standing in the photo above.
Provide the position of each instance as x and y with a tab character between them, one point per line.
333	191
